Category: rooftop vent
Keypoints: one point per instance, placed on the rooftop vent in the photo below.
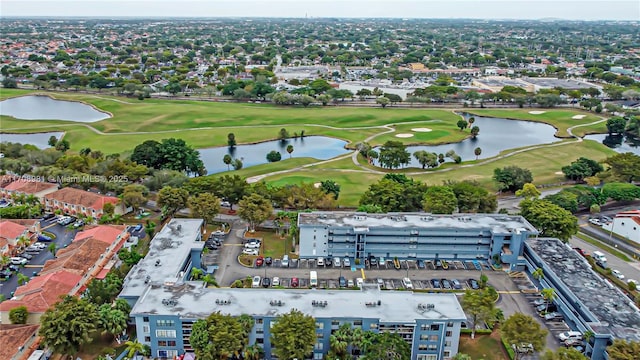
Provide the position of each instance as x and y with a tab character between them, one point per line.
276	303
147	279
373	303
158	262
322	216
169	302
315	303
426	218
223	302
426	307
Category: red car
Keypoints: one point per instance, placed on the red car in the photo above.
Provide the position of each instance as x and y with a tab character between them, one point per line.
581	252
295	282
259	261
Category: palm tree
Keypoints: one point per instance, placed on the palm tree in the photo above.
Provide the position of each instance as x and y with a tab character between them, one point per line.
4	261
538	274
112	321
150	228
209	280
22	279
588	335
549	294
52	249
289	150
477	151
133	347
196	273
31	199
23	242
253	352
227	160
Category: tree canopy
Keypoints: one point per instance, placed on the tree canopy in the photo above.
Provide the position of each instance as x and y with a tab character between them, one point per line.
550	219
68	325
293	335
512	178
255	209
520	328
172	154
439	200
217	337
393	154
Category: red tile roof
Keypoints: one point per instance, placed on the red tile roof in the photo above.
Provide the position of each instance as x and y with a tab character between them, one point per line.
43	291
80	197
11	230
29	186
13	336
105	233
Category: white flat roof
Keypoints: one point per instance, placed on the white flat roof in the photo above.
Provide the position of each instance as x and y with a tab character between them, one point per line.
194	301
167	252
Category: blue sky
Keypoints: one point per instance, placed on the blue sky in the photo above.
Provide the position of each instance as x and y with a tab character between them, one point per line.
478	9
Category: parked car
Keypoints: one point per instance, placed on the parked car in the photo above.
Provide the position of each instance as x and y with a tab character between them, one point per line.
275	281
138	227
574	343
48	216
350	283
268	260
420	264
539	302
40	245
342	282
473	283
285	261
266	282
250	251
595	221
252	246
523	348
259	261
336	262
295	282
5	274
446	284
252	241
577	335
18	260
435	283
380	283
44	238
456	284
347	262
26	256
373	261
406	282
320	261
359	282
547	308
255	282
78	224
617	274
581	252
553	316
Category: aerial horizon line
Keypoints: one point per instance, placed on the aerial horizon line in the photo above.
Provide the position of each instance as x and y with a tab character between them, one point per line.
404	18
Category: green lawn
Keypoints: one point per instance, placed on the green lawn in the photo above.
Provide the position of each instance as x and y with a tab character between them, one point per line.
560	119
272	244
483	347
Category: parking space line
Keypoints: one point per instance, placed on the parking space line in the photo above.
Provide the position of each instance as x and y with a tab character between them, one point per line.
362	272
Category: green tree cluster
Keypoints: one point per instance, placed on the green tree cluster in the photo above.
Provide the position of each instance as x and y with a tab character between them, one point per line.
172	154
550	219
512	178
581	168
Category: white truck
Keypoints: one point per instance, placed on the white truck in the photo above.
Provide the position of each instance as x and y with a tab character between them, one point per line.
313	279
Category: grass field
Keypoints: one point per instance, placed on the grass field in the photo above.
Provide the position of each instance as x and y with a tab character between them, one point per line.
483	347
561	119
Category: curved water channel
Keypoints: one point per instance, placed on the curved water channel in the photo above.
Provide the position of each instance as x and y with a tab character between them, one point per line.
496	135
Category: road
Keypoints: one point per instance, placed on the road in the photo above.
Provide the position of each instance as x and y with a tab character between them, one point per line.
63	239
631	270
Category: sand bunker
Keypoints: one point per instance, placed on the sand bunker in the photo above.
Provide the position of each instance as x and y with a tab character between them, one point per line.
404	135
536	112
558	173
421	129
317	185
578	117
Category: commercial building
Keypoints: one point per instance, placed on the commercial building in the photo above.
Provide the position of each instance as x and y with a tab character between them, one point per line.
165	304
587	301
464	237
626	224
531	85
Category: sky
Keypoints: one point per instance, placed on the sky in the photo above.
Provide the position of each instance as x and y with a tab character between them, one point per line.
469	9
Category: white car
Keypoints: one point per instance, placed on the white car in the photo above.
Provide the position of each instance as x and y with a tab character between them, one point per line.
255	283
617	274
18	261
347	262
577	335
406	282
359	282
320	261
250	251
40	245
595	221
275	281
252	246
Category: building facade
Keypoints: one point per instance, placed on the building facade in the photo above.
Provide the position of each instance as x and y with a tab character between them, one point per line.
463	237
626	224
430	323
586	300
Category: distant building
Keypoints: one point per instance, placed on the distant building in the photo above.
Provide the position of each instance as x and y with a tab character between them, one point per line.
464	237
12	230
532	85
75	202
27	187
626	224
17	341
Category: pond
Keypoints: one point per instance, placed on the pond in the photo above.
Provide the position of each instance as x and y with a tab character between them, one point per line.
619	143
495	135
318	147
45	108
39	140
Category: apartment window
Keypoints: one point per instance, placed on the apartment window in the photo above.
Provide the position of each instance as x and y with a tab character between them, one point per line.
171	343
335	322
162	343
357	323
450	324
167	353
422	347
427	357
373	326
260	340
424	327
165	323
432	347
147	339
165	333
259	321
318	346
447	343
424	337
145	329
448	333
433	337
259	330
145	319
447	354
319	325
318	356
320	335
435	327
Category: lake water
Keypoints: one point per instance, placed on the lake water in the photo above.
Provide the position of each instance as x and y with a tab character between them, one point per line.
40	139
317	147
45	108
619	143
496	135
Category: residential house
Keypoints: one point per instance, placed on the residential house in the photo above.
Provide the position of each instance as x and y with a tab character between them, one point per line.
79	202
26	186
12	230
90	255
626	224
17	341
